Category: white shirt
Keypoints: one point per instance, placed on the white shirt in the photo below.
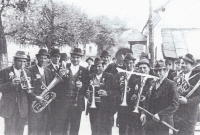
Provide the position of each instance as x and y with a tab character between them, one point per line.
99	76
17	72
74	69
41	70
129	75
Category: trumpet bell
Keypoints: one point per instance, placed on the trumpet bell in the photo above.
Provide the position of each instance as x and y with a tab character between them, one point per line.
136	110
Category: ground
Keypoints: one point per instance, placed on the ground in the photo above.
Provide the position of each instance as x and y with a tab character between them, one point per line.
84	128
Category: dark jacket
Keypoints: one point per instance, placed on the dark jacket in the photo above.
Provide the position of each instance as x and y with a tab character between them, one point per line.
112	68
107	102
11	95
169	76
189	112
164	101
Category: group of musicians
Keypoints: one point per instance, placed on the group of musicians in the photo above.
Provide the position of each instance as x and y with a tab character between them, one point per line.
149	100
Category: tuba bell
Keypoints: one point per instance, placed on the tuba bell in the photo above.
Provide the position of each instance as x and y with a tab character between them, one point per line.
46	94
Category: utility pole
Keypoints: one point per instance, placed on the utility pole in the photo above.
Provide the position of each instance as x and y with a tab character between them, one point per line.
151	35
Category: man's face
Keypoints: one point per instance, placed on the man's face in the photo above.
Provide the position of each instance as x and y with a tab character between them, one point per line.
99	69
89	62
178	66
169	65
186	66
75	59
129	64
160	73
143	68
42	60
20	63
55	59
106	59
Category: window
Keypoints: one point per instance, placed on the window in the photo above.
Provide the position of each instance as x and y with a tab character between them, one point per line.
90	49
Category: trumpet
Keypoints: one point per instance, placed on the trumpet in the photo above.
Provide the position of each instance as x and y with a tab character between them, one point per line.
93	105
140	97
78	89
25	82
124	101
46	94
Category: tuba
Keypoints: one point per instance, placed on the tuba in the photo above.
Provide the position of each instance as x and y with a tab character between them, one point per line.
46	94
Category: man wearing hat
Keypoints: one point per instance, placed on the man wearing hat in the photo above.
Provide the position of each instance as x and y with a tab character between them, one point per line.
124	112
108	67
186	116
14	103
178	71
38	122
69	101
100	116
90	66
162	102
137	83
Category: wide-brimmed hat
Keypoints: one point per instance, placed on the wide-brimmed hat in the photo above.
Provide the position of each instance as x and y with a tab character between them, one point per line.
20	54
89	58
55	51
105	54
42	52
97	61
76	51
190	58
159	65
129	56
144	61
63	56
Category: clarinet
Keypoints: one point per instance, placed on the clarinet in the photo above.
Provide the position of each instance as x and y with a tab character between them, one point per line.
78	89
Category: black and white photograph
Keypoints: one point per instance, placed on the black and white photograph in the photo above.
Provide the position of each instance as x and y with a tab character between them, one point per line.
99	67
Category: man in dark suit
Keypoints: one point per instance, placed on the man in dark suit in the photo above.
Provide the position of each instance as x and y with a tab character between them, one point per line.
100	117
69	102
137	84
41	76
162	102
186	116
14	103
124	111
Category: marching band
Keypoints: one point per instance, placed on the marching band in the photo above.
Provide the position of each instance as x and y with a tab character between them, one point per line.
50	96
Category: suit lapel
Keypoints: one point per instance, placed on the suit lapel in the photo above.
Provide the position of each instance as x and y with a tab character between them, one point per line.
159	90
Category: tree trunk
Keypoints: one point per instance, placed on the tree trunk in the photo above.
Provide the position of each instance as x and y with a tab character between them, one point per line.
3	47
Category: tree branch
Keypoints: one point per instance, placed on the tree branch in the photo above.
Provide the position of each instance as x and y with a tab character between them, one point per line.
10	33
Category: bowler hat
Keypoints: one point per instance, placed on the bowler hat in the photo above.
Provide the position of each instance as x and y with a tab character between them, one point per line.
129	56
144	61
159	65
89	58
98	61
42	52
63	56
20	54
189	57
55	51
104	54
77	51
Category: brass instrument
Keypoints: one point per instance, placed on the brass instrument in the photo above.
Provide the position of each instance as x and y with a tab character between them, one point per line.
140	97
193	89
124	95
46	94
93	105
25	82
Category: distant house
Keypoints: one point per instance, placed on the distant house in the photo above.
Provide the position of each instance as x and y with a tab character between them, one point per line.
91	50
175	29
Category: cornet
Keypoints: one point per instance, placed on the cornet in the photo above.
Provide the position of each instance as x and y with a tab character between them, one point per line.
25	82
93	105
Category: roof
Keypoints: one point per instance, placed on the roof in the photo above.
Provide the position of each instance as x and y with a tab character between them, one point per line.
177	42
